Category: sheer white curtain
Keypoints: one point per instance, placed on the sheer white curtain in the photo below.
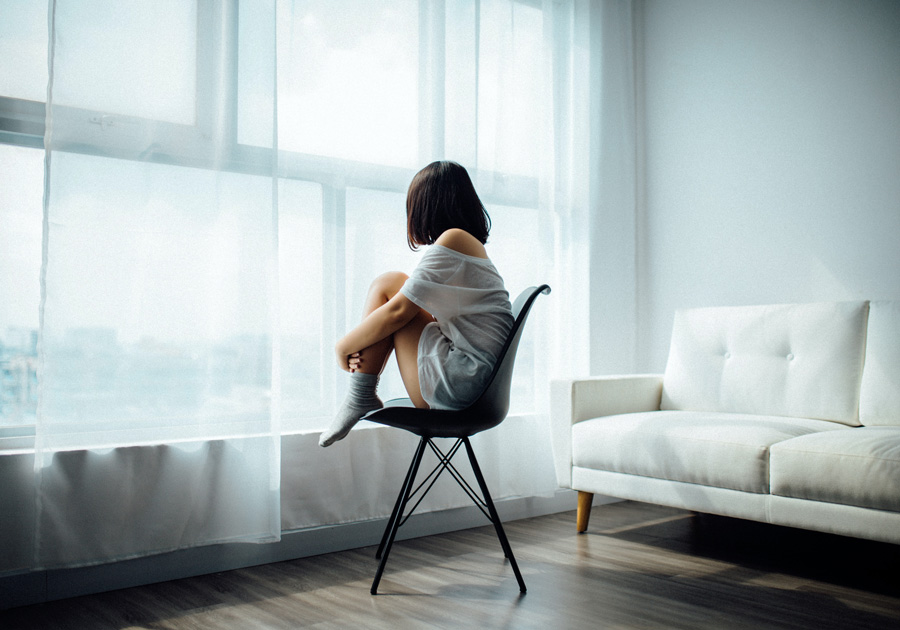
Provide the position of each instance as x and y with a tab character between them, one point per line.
157	420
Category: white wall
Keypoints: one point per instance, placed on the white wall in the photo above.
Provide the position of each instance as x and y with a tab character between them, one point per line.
771	139
612	296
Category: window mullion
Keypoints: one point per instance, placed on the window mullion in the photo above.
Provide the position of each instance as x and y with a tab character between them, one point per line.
432	51
334	281
217	72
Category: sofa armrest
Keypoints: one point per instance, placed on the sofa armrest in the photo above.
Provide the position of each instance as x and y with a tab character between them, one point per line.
576	399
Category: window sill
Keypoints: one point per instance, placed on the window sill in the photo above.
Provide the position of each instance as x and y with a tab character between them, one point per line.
20	440
16	439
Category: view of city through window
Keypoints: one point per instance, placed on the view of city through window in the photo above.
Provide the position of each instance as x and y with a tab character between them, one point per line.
21	185
18	376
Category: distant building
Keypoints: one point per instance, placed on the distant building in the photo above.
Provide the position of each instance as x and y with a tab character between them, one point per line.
19	341
18	389
18	375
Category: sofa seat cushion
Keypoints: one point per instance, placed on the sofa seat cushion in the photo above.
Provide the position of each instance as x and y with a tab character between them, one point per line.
709	448
858	466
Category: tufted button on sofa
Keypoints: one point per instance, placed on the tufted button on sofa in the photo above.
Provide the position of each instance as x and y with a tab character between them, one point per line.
785	414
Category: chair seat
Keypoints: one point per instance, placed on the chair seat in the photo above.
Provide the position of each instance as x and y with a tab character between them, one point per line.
430	423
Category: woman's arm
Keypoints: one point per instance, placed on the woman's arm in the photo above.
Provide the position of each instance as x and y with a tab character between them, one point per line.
378	325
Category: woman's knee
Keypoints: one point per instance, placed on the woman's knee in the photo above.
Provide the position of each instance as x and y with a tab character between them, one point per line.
389	283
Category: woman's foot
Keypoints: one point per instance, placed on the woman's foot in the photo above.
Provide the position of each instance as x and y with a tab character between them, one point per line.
361	399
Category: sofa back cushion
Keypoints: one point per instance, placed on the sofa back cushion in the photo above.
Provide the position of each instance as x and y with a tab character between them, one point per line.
879	398
798	360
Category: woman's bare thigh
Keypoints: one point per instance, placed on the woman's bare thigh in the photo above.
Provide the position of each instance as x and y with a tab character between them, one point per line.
406	349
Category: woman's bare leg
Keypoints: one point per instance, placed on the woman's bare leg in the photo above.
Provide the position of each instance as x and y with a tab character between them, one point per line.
369	363
383	288
406	348
404	342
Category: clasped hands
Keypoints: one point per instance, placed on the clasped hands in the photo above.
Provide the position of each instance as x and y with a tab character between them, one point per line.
348	362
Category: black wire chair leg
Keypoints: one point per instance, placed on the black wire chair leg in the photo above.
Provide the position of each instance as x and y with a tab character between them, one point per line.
507	550
397	512
395	524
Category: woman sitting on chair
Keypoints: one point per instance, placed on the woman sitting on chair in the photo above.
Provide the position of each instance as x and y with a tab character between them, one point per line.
446	323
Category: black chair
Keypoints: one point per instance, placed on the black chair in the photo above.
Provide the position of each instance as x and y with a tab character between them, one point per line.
486	412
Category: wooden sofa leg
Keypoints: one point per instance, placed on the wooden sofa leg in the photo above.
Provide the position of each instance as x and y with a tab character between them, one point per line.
584	511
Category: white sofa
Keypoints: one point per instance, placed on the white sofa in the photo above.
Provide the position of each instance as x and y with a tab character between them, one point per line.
786	414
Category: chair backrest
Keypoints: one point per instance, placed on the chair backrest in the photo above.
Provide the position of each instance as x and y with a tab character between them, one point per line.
492	405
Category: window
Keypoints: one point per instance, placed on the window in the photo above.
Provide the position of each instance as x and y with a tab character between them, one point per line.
510	40
348	82
21	185
128	331
159	72
23	48
304	243
367	94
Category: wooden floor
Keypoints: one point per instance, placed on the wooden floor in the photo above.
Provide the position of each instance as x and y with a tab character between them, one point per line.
639	566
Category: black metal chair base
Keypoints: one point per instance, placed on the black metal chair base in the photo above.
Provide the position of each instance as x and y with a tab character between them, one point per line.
484	502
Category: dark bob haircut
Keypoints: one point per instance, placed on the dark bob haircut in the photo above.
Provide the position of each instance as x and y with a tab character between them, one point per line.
441	196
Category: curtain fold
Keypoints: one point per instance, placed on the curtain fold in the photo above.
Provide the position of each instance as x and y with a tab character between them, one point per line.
159	338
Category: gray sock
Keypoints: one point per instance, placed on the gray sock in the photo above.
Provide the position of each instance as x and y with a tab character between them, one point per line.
361	399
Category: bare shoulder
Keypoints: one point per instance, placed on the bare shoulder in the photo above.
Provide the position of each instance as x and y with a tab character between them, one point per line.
463	242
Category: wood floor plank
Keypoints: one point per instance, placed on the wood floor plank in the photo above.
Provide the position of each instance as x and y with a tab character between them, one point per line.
637	566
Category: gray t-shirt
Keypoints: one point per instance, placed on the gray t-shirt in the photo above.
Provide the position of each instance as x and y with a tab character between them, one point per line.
466	296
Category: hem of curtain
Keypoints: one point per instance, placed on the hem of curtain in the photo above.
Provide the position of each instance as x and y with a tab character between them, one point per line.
269	539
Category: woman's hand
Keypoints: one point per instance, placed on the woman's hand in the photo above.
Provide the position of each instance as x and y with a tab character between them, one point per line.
348	362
